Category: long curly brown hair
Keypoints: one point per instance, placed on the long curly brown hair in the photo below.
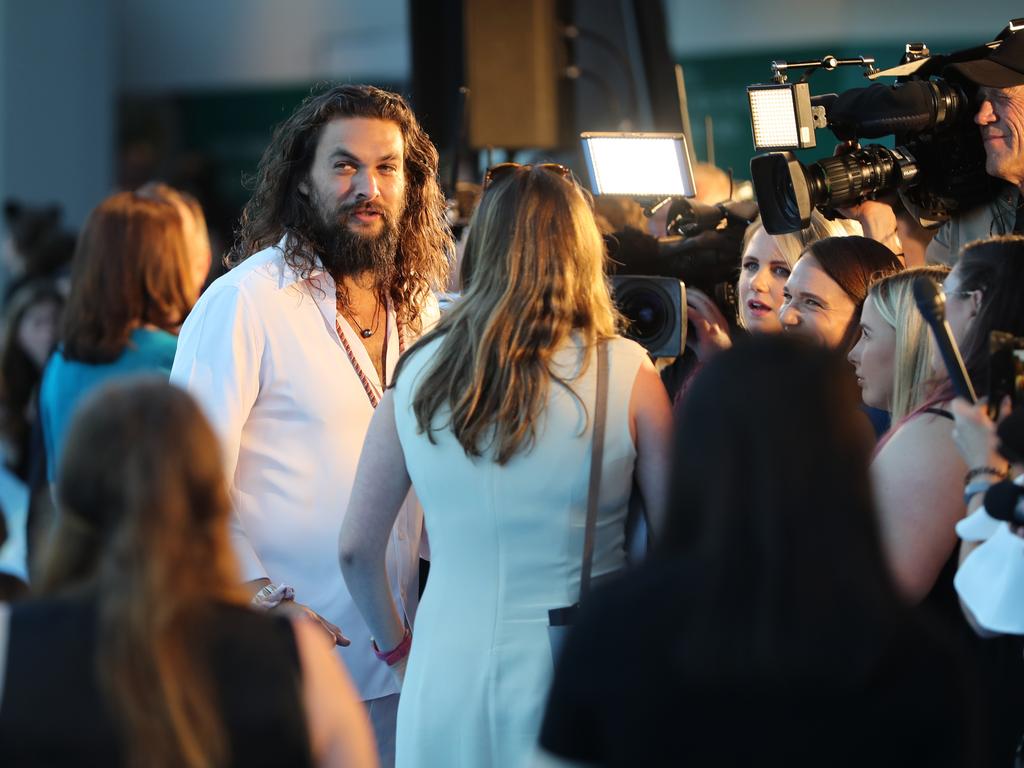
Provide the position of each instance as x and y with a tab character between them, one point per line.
276	208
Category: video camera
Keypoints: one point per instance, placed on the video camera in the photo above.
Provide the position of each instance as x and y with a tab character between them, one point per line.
937	166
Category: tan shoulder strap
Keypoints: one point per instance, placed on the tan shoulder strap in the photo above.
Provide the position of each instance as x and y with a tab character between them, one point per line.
596	462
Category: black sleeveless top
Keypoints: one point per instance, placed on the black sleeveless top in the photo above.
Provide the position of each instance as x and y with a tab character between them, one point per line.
53	711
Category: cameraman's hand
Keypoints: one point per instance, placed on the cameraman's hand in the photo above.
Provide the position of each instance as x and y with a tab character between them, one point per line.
710	325
876	217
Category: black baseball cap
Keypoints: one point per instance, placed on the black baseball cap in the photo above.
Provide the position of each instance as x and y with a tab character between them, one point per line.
1002	68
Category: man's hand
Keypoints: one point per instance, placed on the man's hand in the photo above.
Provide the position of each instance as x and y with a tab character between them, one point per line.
285	601
333	633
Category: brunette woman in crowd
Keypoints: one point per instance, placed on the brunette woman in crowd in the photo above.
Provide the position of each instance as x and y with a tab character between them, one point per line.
141	649
823	297
134	279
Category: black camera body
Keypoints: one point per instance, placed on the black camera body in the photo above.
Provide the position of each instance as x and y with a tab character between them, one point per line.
655	312
651	275
937	166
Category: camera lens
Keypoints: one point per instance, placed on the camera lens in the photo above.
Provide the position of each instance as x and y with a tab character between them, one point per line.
646	310
654	310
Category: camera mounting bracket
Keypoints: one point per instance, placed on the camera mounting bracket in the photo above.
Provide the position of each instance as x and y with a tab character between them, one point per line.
828	63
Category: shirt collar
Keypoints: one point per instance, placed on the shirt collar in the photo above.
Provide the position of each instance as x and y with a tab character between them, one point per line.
290	276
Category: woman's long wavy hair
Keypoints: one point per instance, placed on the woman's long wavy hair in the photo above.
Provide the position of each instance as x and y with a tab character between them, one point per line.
144	512
277	208
131	267
913	374
532	274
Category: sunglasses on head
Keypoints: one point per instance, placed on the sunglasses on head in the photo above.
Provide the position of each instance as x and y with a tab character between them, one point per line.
501	170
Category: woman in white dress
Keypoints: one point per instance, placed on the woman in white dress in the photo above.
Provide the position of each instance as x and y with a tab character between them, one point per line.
490	421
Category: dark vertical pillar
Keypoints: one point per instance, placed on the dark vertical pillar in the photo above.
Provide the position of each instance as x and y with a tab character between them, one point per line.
437	71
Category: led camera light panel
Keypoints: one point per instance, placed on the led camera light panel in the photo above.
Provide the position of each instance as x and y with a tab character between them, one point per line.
780	116
639	164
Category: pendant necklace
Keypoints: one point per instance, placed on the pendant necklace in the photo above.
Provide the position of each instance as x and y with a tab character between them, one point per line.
368	331
372	394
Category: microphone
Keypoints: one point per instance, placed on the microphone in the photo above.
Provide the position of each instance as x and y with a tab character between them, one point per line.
931	302
1003	502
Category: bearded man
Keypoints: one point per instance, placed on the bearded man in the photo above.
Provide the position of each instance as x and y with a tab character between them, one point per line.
338	254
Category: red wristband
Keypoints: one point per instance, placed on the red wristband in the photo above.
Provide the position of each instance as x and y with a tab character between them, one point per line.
397	653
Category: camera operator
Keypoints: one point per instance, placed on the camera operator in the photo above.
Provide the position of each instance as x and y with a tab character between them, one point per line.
1000	118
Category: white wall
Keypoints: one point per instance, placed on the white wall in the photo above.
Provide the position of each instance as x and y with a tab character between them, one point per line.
189	44
705	28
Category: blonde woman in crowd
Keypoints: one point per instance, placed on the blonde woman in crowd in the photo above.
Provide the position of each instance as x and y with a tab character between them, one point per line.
893	356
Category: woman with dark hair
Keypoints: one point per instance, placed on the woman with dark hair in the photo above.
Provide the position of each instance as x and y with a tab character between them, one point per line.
33	319
768	631
824	295
491	420
142	649
132	285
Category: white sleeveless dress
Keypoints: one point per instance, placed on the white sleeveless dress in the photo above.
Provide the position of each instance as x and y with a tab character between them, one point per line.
506	546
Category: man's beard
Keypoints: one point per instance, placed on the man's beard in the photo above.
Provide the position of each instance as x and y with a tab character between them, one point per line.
347	253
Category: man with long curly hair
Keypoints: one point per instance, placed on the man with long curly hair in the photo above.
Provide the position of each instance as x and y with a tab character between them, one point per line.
337	257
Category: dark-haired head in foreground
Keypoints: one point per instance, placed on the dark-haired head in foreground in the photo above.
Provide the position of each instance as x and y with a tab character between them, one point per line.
767	628
771	498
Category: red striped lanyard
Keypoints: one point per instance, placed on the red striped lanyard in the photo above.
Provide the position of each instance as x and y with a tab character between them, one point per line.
367	385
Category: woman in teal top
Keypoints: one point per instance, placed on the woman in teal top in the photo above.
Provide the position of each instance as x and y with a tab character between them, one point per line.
134	279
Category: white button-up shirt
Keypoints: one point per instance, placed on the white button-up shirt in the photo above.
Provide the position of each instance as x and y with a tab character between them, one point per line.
261	353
